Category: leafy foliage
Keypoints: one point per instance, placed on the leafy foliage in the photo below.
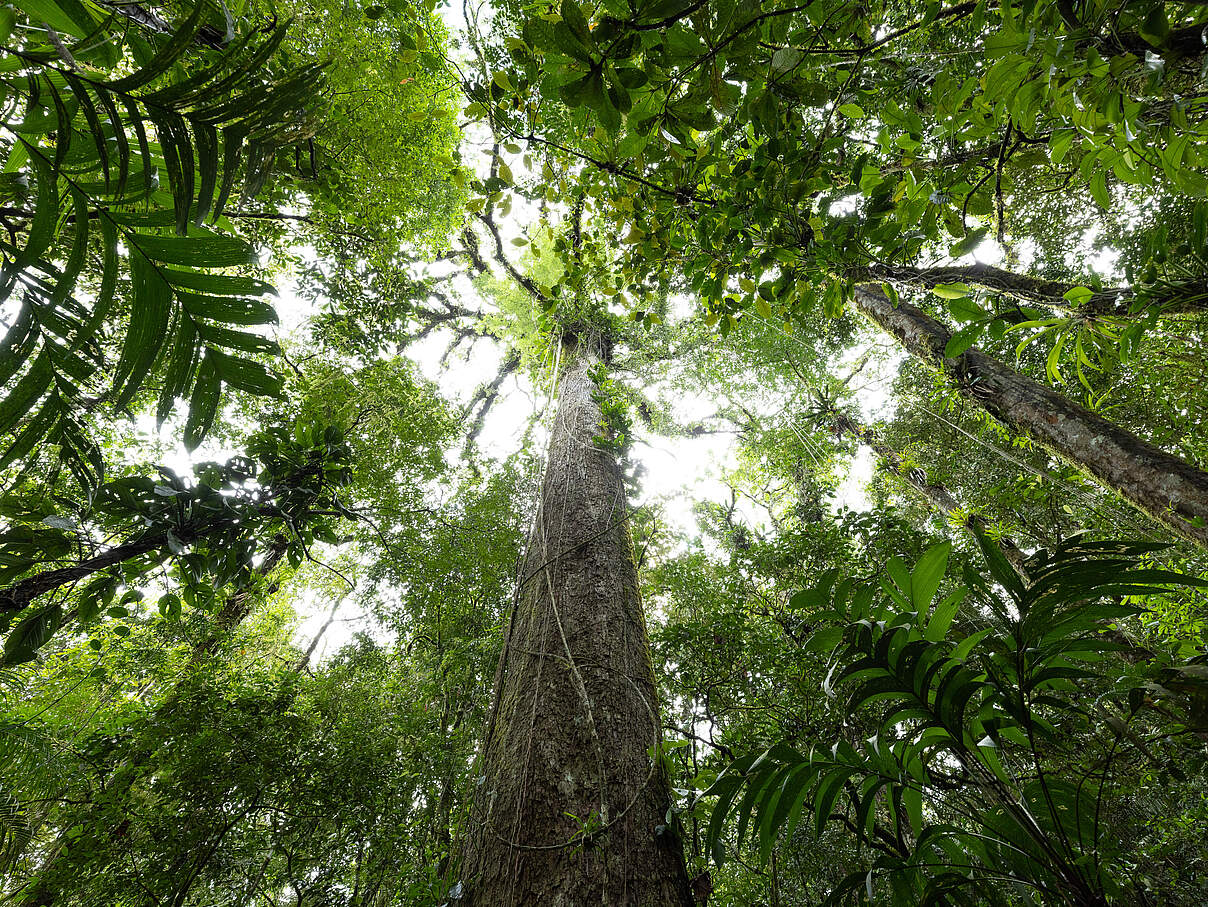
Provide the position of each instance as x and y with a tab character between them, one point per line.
86	138
275	501
988	735
972	778
382	169
721	110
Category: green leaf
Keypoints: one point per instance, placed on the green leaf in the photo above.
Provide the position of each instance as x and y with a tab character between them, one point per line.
682	41
170	606
244	374
575	93
951	290
965	309
96	595
829	788
24	396
1000	567
575	21
46	210
1156	28
150	313
19	342
65	16
967	645
35	429
852	111
205	138
726	788
927	575
197	250
971	241
962	340
1099	191
237	340
824	640
217	284
912	801
175	143
203	405
29	635
228	309
632	78
182	363
1059	145
941	619
1079	296
165	57
785	802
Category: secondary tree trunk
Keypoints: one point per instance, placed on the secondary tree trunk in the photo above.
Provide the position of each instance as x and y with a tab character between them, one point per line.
1159	484
571	808
1186	299
936	494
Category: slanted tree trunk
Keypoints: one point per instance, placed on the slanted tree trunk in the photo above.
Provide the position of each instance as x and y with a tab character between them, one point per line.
571	808
1187	298
937	495
1167	489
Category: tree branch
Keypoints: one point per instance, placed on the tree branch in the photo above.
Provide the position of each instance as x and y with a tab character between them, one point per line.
487	395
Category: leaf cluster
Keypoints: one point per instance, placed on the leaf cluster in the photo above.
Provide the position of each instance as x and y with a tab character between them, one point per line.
973	777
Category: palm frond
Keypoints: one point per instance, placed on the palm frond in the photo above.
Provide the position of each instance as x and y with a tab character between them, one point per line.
114	187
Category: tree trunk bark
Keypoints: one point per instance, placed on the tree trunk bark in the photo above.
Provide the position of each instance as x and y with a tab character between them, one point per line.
1113	301
571	808
1164	487
1024	287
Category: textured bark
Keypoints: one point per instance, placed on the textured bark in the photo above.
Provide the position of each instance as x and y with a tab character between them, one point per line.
1159	484
1184	300
570	808
1187	41
19	595
1050	293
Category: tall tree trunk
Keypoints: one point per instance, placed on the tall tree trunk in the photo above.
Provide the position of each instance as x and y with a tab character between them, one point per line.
1164	487
571	808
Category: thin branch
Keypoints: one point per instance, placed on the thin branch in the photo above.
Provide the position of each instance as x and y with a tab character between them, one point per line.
529	285
487	396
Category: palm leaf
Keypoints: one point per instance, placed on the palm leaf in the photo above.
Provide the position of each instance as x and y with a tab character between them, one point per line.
92	151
